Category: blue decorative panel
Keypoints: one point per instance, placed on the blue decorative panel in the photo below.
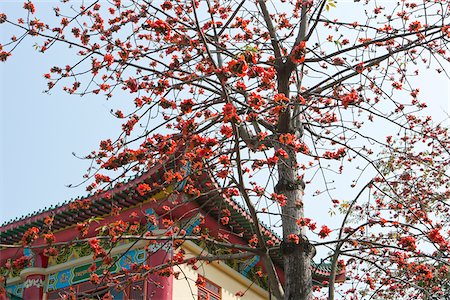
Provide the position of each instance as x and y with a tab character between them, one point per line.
81	273
248	265
15	290
193	222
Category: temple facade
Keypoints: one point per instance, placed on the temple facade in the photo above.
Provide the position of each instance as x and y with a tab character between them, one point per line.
138	268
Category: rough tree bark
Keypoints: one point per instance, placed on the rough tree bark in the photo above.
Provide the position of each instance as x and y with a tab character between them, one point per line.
297	257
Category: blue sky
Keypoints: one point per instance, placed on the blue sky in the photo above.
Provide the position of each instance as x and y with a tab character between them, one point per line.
39	132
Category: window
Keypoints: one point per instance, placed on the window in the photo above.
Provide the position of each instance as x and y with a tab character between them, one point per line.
209	291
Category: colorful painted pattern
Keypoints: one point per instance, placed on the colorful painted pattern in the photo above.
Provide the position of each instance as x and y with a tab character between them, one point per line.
15	291
248	265
81	273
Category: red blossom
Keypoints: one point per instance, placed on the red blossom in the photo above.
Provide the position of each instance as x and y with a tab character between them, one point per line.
166	5
415	26
94	278
281	153
298	54
49	220
253	242
143	189
238	66
3	18
324	232
49	238
293	238
132	84
435	236
226	131
108	59
29	6
287	138
280	198
51	252
83	228
360	67
21	263
306	222
230	113
30	236
408	242
350	98
200	281
160	27
186	106
4	55
335	155
239	294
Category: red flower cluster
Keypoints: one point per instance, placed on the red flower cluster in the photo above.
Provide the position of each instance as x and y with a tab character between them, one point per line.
4	55
293	238
132	84
306	222
83	228
95	279
186	106
408	243
324	232
226	131
96	248
350	98
230	113
29	6
143	188
102	178
30	236
160	27
298	53
108	59
280	198
51	252
255	101
21	262
230	192
200	281
335	155
281	153
49	238
226	216
238	66
415	26
280	98
253	242
435	236
287	139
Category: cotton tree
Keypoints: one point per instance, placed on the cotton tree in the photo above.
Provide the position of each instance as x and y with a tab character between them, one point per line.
282	102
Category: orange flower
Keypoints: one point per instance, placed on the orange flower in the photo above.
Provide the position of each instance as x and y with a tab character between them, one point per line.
230	113
143	188
324	232
298	54
287	139
238	67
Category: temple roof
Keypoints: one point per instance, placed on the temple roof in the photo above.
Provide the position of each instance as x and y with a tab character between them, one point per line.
124	196
65	215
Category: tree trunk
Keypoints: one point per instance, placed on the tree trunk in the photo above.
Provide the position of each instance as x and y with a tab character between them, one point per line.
297	257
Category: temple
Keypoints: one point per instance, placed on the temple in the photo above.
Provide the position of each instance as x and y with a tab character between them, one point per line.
134	265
